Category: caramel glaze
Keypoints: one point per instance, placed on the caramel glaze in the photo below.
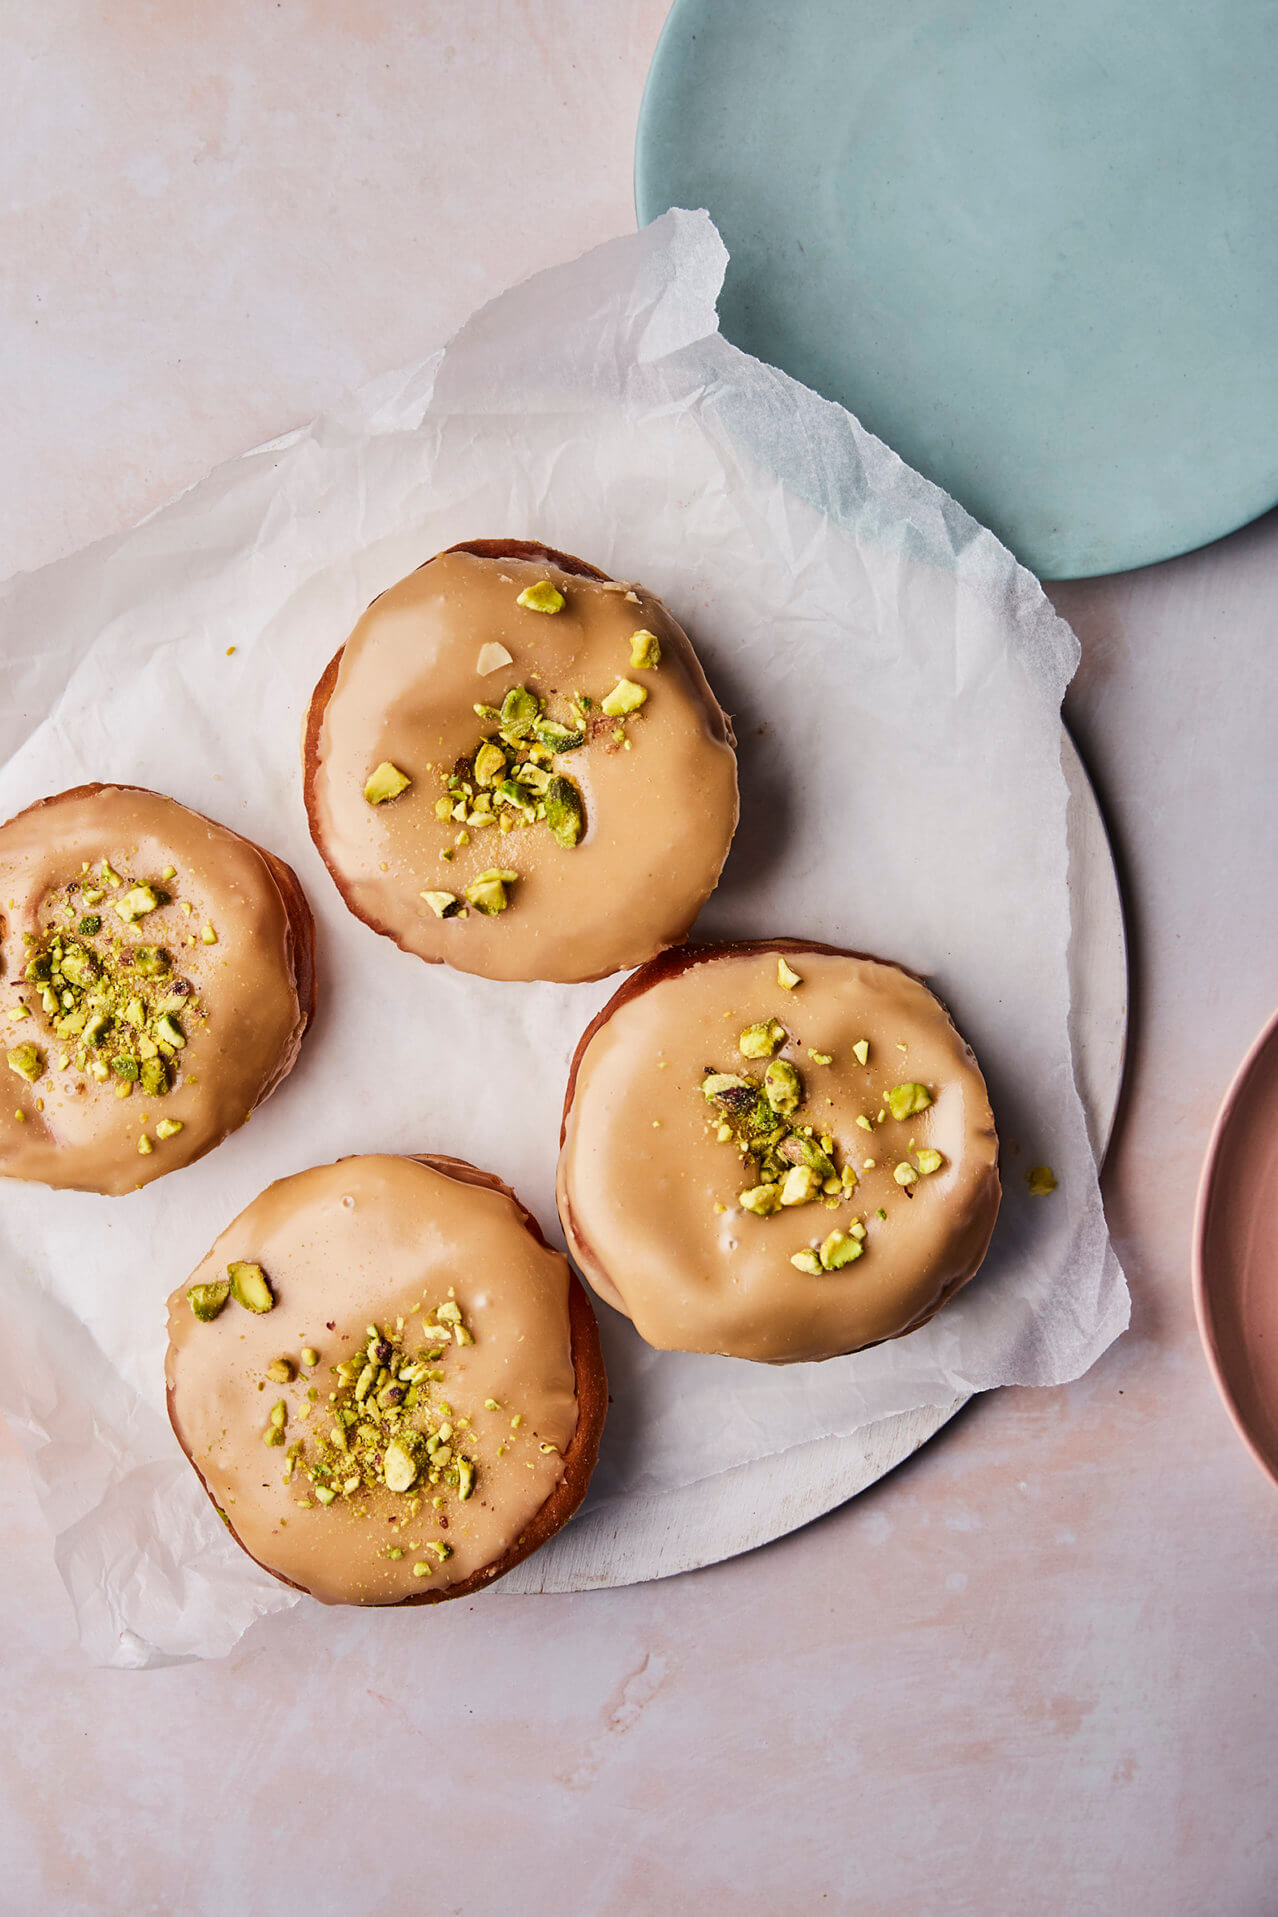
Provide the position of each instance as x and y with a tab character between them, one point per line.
362	1242
659	815
255	988
641	1170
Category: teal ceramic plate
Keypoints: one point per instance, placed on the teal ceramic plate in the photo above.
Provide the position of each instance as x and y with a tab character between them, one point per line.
1032	246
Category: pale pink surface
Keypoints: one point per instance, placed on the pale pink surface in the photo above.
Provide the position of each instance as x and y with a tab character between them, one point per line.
1032	1671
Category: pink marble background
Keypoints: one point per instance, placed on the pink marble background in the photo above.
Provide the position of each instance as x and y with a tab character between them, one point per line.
1033	1671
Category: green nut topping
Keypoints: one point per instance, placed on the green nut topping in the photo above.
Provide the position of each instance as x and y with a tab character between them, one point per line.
520	710
90	925
27	1061
1041	1181
168	1031
564	814
545	596
800	1186
625	697
905	1175
840	1249
490	764
787	978
782	1087
384	782
904	1100
762	1200
251	1286
465	1478
207	1300
400	1465
760	1041
136	903
557	738
806	1260
861	1050
645	650
928	1160
734	1093
487	893
443	904
150	961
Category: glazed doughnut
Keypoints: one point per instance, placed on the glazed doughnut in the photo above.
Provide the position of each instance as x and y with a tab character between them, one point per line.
157	978
515	766
777	1151
390	1386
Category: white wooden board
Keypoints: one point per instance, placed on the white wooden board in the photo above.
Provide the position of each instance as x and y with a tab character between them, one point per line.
627	1541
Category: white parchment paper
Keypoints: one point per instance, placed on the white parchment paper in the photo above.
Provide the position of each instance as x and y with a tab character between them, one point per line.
896	682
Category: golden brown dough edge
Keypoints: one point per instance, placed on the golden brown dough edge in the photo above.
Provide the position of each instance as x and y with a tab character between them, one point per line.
583	1447
668	965
482	549
299	946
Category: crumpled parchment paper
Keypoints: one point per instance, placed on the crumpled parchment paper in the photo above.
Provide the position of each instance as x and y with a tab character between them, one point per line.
896	682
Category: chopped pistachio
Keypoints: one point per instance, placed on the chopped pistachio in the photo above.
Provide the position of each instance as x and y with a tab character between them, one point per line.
868	1164
800	1186
762	1200
89	924
145	1147
645	650
786	976
782	1086
250	1285
564	813
310	1357
820	1058
487	892
465	1478
150	961
839	1249
273	1434
279	1414
736	1094
422	1569
905	1100
929	1160
545	596
443	808
1041	1181
557	738
207	935
280	1371
27	1061
761	1040
905	1174
849	1179
169	1031
442	904
136	903
399	1466
492	657
806	1260
490	764
207	1300
520	710
384	782
154	1077
442	1551
624	698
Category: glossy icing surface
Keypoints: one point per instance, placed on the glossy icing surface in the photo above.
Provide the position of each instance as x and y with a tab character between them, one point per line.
374	1241
231	976
658	788
649	1193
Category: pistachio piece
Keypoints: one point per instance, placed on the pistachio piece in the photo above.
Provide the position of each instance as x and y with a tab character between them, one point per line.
761	1040
490	764
442	904
786	977
905	1174
487	893
399	1466
168	1030
442	1551
800	1186
324	1494
929	1161
79	968
465	1478
841	1248
250	1286
150	961
89	925
136	903
154	1078
520	710
280	1371
310	1357
850	1180
208	935
1041	1181
861	1050
624	698
207	1300
797	1150
384	782
762	1200
124	1065
564	815
423	1570
782	1086
645	650
145	1147
545	596
904	1100
492	657
27	1061
557	738
735	1094
806	1260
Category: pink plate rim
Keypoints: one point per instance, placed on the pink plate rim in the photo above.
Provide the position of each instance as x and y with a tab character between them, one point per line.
1267	1035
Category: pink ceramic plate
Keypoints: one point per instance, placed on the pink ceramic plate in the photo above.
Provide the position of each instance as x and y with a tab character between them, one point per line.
1236	1251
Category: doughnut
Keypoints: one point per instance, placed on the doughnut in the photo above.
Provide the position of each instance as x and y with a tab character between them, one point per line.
777	1151
389	1384
156	978
515	766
